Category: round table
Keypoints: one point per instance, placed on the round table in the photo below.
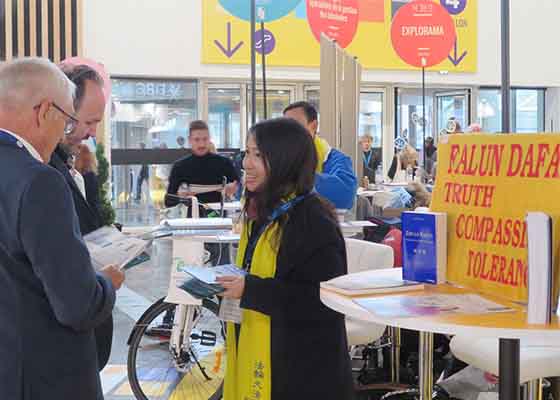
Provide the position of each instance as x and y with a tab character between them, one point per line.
508	326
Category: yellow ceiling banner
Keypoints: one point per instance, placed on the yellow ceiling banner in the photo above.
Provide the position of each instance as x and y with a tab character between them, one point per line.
486	184
292	29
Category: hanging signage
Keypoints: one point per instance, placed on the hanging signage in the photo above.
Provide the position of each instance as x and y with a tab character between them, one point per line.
423	33
338	19
486	184
362	27
152	90
270	9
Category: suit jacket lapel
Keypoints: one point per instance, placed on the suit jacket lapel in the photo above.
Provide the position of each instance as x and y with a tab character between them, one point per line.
60	165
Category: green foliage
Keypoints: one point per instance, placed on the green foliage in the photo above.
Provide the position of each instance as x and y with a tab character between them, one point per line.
106	209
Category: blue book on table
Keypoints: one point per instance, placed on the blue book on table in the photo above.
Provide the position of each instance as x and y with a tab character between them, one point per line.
424	246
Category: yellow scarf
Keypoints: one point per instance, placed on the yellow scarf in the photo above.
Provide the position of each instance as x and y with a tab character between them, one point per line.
323	148
248	372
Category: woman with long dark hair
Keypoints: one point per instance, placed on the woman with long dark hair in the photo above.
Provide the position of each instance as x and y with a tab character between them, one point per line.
288	345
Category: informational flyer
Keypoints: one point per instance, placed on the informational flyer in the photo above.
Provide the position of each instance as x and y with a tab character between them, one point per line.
406	306
107	245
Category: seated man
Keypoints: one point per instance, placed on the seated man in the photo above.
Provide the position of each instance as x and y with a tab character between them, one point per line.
202	167
371	157
335	179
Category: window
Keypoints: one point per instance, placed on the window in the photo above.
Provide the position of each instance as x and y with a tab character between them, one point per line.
371	117
527	110
410	121
153	112
149	127
490	110
224	116
313	96
276	100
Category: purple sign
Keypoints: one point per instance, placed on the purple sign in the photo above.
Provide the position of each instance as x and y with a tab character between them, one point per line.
454	7
269	43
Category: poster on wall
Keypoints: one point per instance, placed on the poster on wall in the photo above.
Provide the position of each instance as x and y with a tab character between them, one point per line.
486	184
293	29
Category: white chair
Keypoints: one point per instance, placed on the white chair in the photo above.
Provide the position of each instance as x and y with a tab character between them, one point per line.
537	360
364	256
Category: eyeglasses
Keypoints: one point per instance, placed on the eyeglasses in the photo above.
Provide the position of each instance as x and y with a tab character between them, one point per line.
71	121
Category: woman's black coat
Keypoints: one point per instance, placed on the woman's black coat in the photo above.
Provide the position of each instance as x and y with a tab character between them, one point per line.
309	351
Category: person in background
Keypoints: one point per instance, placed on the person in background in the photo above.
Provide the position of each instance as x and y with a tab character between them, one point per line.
180	142
453	126
212	148
51	299
89	103
163	170
143	176
238	164
404	162
370	157
430	152
202	167
289	244
335	178
86	164
474	128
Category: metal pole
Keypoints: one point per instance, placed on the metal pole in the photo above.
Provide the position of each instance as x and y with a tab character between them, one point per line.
506	80
426	361
532	390
509	369
424	119
263	70
395	334
253	65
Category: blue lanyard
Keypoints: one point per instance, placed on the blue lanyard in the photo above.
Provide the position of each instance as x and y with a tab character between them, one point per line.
367	158
283	209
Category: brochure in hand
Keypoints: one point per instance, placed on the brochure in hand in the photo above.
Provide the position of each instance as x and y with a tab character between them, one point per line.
107	245
202	282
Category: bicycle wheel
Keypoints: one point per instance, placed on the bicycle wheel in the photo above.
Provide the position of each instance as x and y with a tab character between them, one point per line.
195	374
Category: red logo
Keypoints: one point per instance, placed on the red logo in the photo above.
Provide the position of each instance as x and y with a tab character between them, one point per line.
423	33
338	19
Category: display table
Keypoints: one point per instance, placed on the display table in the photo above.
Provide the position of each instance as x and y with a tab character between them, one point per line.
505	325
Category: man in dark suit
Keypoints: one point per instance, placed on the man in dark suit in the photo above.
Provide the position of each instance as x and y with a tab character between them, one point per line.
52	299
89	103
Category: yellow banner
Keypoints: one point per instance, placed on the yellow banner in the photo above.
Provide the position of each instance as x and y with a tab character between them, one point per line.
486	184
290	40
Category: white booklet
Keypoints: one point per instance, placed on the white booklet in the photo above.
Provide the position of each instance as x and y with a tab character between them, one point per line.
108	245
541	275
371	282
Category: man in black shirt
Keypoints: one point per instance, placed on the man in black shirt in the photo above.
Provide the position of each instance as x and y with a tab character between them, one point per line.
201	168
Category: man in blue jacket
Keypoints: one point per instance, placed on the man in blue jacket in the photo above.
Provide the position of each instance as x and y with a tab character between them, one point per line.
51	298
335	179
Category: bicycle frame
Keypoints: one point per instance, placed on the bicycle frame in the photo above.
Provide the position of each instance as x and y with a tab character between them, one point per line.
184	319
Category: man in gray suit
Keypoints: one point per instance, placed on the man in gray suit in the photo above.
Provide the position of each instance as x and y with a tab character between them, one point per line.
51	298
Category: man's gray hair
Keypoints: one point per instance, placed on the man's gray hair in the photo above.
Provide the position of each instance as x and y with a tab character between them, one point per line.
25	82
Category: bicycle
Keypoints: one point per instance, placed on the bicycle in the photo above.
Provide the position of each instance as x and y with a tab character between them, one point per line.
177	348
